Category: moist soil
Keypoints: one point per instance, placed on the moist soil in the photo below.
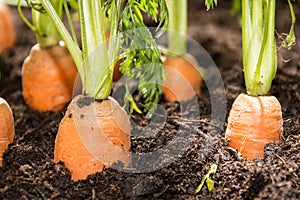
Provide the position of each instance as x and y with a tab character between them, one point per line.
29	172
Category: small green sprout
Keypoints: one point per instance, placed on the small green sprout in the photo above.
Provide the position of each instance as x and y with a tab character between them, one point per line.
207	179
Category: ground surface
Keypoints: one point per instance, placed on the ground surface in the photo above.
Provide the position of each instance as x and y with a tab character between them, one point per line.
28	170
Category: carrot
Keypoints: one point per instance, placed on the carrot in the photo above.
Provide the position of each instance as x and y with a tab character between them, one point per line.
252	123
95	131
7	128
48	76
108	124
183	79
49	72
7	36
255	118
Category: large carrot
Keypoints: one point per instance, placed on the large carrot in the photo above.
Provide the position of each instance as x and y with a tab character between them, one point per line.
7	127
95	131
108	123
183	78
253	122
255	118
7	36
48	73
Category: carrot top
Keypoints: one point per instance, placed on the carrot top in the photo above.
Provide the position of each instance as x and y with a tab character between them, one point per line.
42	25
258	41
95	62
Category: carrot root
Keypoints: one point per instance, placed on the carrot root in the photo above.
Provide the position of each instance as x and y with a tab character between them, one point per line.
252	123
48	76
92	135
7	128
7	36
183	78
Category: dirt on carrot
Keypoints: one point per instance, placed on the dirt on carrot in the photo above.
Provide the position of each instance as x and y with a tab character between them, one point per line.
48	76
7	36
7	127
183	78
252	123
92	135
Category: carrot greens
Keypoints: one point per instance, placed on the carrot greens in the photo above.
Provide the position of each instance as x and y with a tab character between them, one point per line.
95	62
258	42
42	25
259	48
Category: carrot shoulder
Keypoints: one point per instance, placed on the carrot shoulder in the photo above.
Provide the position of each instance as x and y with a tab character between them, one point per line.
183	78
7	128
92	135
252	123
7	36
48	76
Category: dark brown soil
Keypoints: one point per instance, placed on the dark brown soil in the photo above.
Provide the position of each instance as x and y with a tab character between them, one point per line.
28	170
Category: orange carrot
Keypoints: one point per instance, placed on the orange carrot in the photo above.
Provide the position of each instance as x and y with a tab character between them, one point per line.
95	132
7	128
92	135
183	78
48	76
253	122
7	36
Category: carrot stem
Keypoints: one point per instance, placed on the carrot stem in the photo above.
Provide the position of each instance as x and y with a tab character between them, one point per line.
177	26
66	8
71	45
259	50
46	32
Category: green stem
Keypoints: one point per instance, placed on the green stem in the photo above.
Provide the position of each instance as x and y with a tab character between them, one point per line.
71	45
259	50
114	41
23	17
46	33
246	38
290	39
69	18
97	80
177	29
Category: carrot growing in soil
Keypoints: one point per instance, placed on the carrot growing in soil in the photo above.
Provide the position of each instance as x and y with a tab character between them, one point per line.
48	73
7	127
256	118
95	131
7	36
183	78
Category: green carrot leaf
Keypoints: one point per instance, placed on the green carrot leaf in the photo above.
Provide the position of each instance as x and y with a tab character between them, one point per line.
142	56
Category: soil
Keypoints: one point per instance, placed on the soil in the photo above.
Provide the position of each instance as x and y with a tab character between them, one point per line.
29	172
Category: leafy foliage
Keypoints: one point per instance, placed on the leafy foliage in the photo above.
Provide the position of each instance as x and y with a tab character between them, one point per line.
142	56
